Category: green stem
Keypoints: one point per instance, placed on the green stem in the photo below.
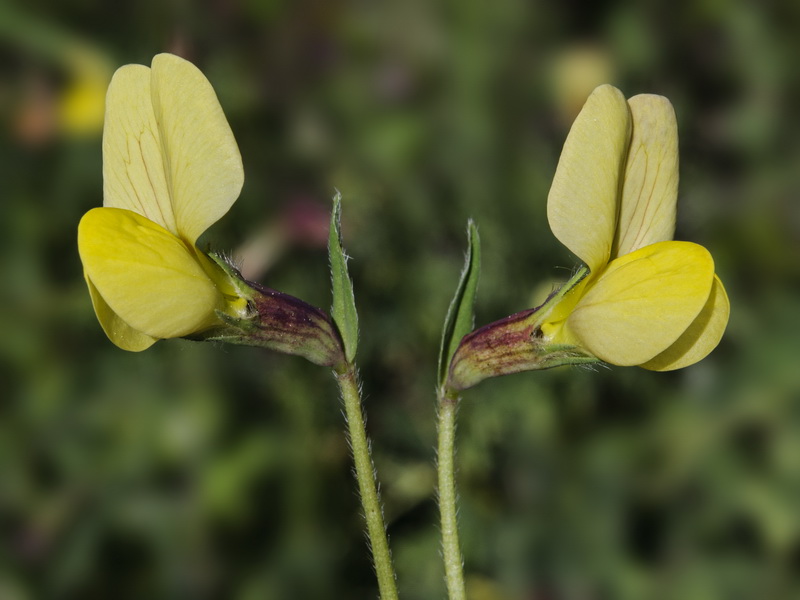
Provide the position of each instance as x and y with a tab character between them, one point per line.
453	563
365	474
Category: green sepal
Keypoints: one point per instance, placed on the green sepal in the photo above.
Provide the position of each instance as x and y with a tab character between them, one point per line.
343	310
461	315
234	284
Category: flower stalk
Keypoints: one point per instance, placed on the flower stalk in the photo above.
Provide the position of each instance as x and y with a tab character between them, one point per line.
347	378
448	504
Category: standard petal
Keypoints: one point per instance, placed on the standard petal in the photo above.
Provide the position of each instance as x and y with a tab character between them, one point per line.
650	185
582	205
117	330
701	337
201	158
643	302
146	275
133	161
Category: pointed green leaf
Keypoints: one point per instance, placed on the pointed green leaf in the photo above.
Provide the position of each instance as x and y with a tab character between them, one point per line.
344	304
460	316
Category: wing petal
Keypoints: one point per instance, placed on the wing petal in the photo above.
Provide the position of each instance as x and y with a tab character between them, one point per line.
117	330
643	302
148	277
701	337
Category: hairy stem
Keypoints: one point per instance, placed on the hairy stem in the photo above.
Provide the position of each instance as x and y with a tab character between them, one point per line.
453	563
368	491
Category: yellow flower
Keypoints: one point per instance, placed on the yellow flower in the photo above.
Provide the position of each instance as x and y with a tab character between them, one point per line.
81	104
646	300
171	168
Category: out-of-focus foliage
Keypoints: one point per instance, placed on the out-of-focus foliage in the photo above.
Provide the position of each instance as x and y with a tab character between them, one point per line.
198	471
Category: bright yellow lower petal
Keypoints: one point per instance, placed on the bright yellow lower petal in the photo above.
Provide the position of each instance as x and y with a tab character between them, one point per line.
701	337
117	330
641	303
146	275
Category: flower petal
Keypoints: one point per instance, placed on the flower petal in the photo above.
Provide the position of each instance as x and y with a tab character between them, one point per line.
582	205
168	152
146	275
650	187
117	330
643	302
700	338
201	158
133	163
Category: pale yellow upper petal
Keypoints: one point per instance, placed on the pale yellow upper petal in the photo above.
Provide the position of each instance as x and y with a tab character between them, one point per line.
168	151
582	205
650	186
201	159
117	330
643	302
133	161
701	337
148	277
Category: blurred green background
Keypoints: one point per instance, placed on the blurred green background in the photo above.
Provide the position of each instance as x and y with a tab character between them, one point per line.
199	471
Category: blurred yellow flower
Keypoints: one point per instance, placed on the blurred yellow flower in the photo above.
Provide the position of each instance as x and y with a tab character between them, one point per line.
171	168
81	104
574	72
646	300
